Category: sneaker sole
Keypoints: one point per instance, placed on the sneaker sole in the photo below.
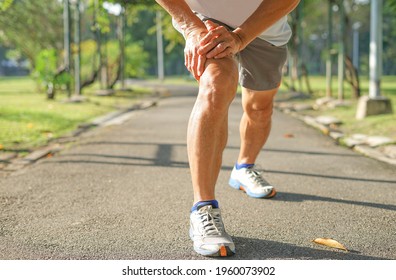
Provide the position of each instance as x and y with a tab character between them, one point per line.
224	251
235	184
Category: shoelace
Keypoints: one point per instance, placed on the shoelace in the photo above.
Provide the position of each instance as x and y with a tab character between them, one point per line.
255	175
211	223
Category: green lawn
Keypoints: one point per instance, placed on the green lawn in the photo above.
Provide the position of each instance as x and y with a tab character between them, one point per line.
318	84
28	119
384	125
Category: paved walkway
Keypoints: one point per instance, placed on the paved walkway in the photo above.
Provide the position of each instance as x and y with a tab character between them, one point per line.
124	192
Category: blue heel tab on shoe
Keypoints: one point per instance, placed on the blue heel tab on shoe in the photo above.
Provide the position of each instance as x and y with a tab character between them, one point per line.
201	204
243	165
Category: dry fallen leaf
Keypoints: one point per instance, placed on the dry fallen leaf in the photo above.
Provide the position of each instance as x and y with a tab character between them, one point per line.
288	135
330	243
1	147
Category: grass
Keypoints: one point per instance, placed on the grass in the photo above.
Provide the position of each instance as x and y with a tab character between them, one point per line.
28	119
380	125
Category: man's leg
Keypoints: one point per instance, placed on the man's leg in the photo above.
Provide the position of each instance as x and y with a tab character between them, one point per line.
255	124
254	129
207	128
206	140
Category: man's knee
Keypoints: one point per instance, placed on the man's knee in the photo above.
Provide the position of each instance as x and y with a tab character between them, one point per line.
258	104
218	84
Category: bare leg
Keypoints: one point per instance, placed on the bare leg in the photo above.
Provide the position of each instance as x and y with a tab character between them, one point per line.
255	124
207	129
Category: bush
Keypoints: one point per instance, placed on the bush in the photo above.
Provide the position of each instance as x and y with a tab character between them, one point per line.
46	72
45	68
136	58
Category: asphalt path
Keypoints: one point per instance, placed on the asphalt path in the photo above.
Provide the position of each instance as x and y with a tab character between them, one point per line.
124	192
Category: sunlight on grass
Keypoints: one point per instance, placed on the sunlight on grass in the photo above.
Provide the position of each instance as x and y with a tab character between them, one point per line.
384	125
28	119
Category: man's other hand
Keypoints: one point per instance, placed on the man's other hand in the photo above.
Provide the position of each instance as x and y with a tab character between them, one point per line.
219	42
194	62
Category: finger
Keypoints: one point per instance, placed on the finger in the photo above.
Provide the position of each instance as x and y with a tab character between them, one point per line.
210	25
217	50
227	52
201	64
209	46
194	66
187	60
212	35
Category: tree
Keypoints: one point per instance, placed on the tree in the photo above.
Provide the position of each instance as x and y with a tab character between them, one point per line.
108	24
5	4
325	38
297	66
23	27
25	31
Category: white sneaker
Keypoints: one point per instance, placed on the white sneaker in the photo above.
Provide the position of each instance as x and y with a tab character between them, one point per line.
251	182
208	233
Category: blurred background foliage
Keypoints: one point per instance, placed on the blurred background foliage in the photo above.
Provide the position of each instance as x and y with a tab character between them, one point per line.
27	28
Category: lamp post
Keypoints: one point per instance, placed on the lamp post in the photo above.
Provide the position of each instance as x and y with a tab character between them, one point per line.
329	49
66	39
160	47
341	53
122	45
77	52
374	103
355	54
375	48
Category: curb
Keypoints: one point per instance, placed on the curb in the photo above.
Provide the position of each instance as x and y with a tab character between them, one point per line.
334	133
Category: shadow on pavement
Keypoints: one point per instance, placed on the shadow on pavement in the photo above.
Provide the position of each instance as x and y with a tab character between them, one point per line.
331	176
143	161
251	248
316	153
296	197
163	157
229	147
164	161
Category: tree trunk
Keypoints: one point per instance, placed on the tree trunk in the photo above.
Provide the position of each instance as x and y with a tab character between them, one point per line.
51	87
118	74
352	76
91	79
304	72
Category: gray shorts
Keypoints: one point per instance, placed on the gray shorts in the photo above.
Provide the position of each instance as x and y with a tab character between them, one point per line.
260	63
